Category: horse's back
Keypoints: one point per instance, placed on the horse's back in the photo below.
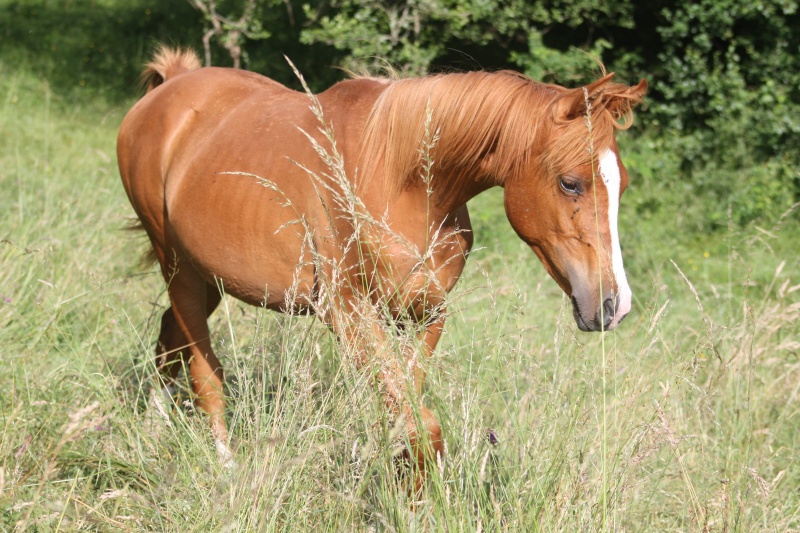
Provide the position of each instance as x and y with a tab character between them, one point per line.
241	116
195	105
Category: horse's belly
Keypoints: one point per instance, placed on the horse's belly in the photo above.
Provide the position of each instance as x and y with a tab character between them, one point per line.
251	249
256	276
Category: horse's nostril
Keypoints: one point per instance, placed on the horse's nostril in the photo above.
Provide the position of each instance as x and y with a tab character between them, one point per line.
609	309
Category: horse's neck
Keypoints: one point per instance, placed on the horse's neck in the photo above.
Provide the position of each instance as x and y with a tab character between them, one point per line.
449	191
479	128
465	190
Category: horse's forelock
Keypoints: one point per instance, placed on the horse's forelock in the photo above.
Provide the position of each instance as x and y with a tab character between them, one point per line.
575	144
588	128
618	100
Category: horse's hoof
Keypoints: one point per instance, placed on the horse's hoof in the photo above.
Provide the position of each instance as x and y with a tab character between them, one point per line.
225	455
424	451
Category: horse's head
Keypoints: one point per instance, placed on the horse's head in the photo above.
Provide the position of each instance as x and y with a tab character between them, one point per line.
565	204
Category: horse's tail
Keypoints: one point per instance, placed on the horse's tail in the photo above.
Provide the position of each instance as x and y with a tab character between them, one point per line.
166	64
149	258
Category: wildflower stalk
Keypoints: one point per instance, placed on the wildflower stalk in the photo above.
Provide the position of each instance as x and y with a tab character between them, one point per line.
604	444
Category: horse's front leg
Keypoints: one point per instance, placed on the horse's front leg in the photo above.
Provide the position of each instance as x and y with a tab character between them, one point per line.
433	449
366	341
428	338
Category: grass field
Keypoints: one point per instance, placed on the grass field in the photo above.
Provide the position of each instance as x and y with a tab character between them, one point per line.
684	419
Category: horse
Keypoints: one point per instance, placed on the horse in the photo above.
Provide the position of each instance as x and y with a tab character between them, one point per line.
351	205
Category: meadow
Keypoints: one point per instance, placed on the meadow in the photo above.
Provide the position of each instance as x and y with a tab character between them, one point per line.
683	419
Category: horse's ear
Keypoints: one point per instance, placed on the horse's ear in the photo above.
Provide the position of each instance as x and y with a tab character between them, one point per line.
620	103
617	99
573	104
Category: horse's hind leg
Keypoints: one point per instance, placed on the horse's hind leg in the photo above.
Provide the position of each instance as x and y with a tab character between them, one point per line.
184	335
169	355
171	349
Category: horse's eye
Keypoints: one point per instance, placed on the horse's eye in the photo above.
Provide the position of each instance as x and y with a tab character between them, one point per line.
570	185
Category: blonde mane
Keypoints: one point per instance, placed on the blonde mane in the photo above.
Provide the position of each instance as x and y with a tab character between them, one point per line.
489	126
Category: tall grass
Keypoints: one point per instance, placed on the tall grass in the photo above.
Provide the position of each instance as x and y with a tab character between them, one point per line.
700	385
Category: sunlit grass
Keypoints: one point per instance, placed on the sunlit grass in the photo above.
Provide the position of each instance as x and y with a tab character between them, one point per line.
701	382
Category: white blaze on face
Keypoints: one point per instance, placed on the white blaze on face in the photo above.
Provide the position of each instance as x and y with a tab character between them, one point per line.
609	171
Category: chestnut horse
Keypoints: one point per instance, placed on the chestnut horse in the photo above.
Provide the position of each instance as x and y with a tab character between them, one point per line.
352	205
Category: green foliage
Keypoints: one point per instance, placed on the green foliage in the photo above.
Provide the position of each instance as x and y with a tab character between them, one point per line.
569	67
87	48
415	36
410	35
736	60
727	99
230	32
699	197
91	47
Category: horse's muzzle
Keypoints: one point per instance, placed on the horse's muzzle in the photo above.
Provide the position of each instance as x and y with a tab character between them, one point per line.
604	318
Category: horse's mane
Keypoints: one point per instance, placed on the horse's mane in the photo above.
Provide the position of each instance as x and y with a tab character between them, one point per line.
488	124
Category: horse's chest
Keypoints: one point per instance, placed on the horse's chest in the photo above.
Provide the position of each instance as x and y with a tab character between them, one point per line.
414	278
